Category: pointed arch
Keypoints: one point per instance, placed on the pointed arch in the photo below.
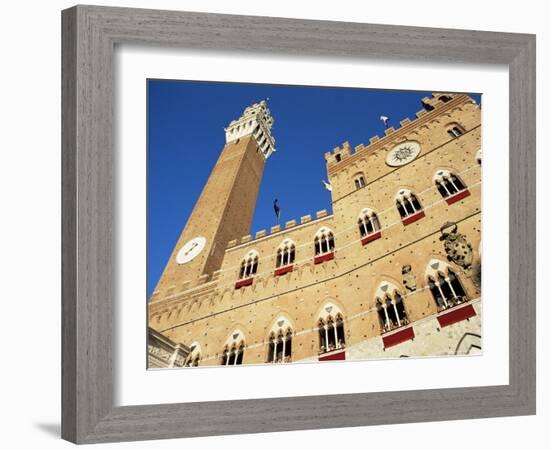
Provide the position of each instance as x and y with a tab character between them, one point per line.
279	348
390	306
408	206
323	245
194	356
330	322
444	284
450	186
286	253
233	351
249	264
369	226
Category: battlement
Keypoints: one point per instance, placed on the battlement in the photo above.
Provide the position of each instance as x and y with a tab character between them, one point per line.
340	154
190	288
276	229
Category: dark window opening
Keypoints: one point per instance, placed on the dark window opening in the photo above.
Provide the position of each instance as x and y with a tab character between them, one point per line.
331	334
324	243
427	106
286	255
249	267
359	182
449	184
408	205
447	291
391	312
280	348
233	356
455	131
368	225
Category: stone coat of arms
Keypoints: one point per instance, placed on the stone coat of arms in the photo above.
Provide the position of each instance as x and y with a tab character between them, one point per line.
457	247
409	280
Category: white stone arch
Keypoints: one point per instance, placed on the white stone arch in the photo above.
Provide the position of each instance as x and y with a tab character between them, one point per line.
323	230
402	194
390	307
237	337
251	253
279	341
329	310
435	268
330	323
441	174
249	264
195	348
281	323
286	253
323	241
448	183
194	356
286	242
444	284
368	222
234	347
407	203
386	288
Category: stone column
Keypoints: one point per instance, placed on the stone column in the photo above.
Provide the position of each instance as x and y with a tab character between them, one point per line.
386	315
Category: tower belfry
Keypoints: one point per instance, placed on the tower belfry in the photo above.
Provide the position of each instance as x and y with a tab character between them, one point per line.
225	208
256	121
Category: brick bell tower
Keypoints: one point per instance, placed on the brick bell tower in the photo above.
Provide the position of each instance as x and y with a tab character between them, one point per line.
226	205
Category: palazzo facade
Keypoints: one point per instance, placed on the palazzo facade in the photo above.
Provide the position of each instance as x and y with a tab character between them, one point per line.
394	271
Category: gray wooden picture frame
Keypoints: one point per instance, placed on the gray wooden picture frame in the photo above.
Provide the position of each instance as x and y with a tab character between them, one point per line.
90	34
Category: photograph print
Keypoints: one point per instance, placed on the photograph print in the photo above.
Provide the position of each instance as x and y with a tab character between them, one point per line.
302	224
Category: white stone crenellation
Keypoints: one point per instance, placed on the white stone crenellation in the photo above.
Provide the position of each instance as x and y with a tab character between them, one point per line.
256	121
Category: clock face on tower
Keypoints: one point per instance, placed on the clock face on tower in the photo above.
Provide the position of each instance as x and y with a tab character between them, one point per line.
403	153
190	250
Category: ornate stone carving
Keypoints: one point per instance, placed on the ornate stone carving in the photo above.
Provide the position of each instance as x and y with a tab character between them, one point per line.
409	279
457	247
163	352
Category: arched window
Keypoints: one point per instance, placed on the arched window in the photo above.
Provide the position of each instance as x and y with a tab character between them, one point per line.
331	329
194	356
286	253
233	352
249	265
359	180
445	98
449	186
279	349
391	309
455	130
445	286
408	206
369	226
324	245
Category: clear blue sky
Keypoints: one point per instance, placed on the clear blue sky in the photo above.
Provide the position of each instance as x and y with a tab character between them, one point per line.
186	123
